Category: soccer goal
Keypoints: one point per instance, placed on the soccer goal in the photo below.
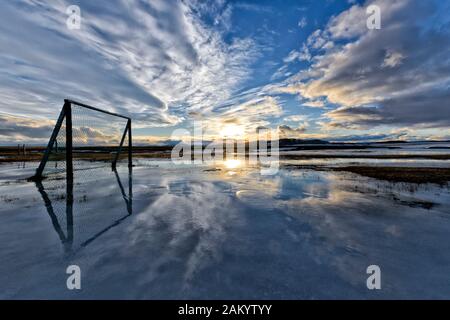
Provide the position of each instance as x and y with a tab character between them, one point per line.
85	136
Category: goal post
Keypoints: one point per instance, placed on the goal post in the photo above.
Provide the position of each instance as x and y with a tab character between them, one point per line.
83	132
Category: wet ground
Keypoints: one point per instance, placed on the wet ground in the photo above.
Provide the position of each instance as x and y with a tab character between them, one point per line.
194	232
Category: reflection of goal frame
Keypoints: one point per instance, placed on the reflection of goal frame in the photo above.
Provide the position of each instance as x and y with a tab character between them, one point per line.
66	114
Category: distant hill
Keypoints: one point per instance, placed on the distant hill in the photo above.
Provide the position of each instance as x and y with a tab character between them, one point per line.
291	142
390	141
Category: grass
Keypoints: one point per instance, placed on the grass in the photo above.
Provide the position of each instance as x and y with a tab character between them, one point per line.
393	174
417	175
367	156
10	154
402	174
164	153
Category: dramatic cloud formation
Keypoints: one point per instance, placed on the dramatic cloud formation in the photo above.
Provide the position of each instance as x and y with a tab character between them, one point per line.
243	119
399	75
15	129
153	60
310	69
286	131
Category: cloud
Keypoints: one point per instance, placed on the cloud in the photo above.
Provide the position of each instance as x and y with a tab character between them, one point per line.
423	109
15	129
281	72
396	76
252	7
303	22
167	62
314	104
399	134
92	136
243	117
153	60
295	118
392	59
286	131
294	55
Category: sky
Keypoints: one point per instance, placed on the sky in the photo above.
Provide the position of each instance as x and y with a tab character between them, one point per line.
309	69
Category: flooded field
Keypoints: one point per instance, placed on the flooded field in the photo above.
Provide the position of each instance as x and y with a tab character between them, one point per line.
195	232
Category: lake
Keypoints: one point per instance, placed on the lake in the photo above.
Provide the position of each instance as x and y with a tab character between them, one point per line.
192	232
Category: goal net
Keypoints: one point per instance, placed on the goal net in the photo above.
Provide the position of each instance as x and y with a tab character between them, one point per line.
83	196
83	138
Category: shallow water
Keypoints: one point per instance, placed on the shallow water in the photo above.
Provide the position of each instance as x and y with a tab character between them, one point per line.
419	150
355	161
165	232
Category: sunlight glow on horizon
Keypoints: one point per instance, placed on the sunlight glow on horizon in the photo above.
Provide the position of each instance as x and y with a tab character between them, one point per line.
232	163
232	131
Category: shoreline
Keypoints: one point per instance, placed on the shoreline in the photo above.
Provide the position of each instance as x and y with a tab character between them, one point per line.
164	154
407	174
417	175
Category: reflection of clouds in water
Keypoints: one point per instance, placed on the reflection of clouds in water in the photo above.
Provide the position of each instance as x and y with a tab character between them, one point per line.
318	200
257	193
189	224
204	234
356	222
339	222
360	224
269	192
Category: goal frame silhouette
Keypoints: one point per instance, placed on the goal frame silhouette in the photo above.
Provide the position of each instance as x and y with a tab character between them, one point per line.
66	114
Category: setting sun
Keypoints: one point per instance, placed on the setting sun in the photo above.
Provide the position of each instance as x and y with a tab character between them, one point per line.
232	130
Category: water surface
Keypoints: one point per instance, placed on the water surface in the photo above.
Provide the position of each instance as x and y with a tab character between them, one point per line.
165	232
